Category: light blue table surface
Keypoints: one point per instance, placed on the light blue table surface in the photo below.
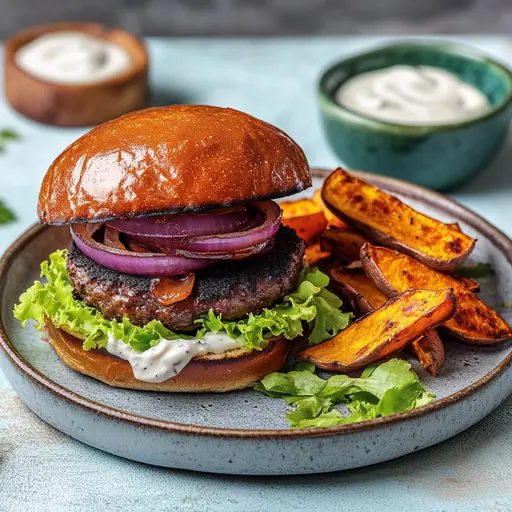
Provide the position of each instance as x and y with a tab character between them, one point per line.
42	469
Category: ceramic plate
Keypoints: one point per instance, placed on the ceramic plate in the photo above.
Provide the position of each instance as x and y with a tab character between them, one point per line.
245	432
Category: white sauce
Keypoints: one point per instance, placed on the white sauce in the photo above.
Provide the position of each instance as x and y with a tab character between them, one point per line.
412	95
169	357
72	58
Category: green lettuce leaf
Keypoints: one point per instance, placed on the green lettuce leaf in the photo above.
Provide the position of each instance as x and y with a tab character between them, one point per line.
55	300
383	389
310	304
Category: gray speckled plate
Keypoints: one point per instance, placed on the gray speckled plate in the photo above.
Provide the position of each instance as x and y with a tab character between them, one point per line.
245	432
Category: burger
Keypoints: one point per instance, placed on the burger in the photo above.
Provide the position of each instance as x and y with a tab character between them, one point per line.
179	275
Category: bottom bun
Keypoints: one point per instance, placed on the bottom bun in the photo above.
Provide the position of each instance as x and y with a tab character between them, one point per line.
235	369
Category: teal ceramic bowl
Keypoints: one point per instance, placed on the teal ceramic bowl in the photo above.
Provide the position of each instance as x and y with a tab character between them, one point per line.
440	157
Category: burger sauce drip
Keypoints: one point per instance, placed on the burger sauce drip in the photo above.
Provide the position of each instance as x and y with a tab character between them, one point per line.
171	289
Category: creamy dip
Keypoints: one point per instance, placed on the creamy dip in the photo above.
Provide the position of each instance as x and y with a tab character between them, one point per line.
412	95
169	357
72	58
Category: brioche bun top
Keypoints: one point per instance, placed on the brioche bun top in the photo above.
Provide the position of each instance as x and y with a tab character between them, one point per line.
169	160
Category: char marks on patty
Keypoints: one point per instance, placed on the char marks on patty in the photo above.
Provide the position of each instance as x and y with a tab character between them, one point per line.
231	288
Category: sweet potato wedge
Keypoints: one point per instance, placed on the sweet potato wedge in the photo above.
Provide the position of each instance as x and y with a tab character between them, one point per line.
357	290
314	254
383	331
429	351
344	243
360	291
394	273
468	283
305	217
385	219
307	227
299	208
332	220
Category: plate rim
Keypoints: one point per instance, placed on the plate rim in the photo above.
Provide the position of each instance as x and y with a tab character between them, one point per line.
428	197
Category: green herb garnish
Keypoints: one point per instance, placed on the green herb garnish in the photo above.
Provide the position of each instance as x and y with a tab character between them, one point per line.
478	270
382	389
6	215
7	135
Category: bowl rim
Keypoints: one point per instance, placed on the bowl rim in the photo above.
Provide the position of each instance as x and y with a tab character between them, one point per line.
328	104
392	185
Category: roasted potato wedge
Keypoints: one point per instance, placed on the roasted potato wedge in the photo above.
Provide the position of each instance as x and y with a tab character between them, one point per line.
394	273
360	291
429	351
357	290
299	208
308	227
314	254
332	220
385	219
344	243
468	283
305	217
384	331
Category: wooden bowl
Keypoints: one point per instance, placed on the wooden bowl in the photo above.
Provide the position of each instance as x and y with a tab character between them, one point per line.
77	104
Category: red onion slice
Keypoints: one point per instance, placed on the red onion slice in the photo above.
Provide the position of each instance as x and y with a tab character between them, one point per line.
216	222
171	289
224	246
111	238
142	264
253	250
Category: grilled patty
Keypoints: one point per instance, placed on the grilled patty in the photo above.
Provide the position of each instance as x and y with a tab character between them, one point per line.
231	288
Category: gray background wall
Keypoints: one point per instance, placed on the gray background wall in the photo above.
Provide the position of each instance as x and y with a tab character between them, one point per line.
268	17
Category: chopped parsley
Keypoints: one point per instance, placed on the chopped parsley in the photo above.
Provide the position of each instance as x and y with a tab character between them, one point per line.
6	215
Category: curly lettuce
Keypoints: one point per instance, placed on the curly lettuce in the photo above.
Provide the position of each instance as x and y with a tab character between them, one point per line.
381	390
311	305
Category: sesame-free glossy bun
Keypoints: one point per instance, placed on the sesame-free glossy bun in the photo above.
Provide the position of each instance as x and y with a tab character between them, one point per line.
169	160
235	369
